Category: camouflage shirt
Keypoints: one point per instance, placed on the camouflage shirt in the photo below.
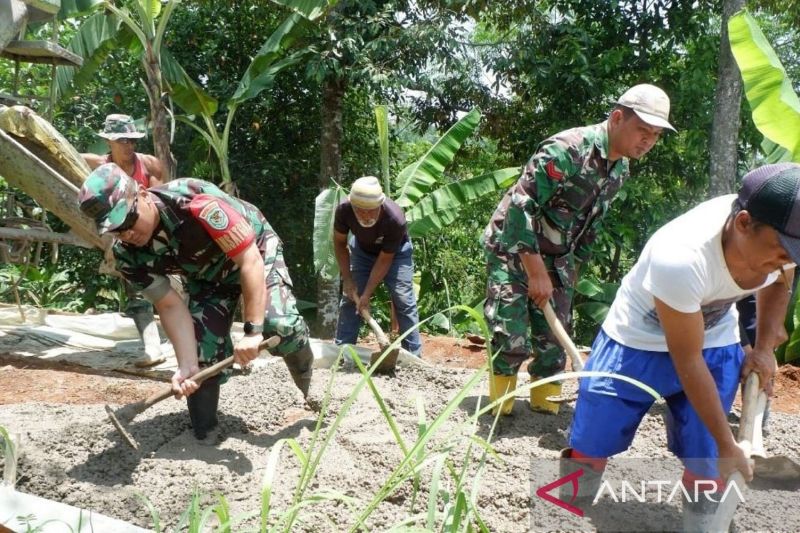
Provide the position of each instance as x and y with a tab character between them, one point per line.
564	190
200	229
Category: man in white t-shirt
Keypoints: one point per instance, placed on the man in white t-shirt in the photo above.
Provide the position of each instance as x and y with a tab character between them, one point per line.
673	326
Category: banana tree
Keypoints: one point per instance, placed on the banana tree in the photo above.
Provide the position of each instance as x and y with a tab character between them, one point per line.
775	107
119	28
273	56
136	24
270	60
430	201
774	104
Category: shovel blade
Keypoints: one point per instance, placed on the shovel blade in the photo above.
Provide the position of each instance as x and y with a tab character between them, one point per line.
388	364
777	468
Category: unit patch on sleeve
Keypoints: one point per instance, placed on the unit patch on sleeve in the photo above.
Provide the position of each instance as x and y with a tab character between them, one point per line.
229	228
213	214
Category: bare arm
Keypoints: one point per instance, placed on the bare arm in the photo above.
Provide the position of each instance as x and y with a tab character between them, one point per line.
540	288
684	334
771	304
93	160
254	294
179	326
154	168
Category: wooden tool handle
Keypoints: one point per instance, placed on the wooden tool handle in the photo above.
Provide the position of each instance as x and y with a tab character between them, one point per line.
206	373
563	338
750	410
383	340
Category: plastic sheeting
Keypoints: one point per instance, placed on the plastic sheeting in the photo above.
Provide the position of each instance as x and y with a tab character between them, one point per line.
53	517
109	341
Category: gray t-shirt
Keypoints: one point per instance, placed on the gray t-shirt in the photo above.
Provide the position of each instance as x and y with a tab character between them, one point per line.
387	235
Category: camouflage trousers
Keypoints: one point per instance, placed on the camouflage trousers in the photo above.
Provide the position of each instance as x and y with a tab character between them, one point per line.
212	306
510	315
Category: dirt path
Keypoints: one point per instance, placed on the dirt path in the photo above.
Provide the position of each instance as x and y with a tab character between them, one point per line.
71	454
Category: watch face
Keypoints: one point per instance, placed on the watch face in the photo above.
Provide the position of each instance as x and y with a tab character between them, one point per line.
249	328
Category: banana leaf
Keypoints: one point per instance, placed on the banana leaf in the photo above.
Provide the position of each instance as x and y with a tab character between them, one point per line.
442	206
325	208
74	8
185	92
261	72
151	8
595	311
774	104
310	9
96	38
774	153
417	179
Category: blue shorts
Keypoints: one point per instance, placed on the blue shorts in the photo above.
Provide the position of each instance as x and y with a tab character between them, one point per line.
608	410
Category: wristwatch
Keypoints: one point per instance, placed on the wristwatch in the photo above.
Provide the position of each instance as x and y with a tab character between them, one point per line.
252	329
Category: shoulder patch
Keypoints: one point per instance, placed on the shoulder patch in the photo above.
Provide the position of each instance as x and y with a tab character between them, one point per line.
552	171
214	216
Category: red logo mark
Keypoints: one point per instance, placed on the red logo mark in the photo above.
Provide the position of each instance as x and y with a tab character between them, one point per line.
552	171
543	492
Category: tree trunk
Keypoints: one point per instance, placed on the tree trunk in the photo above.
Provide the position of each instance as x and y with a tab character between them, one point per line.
330	168
155	90
727	105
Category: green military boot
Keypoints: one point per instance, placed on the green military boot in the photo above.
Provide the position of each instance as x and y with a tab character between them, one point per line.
300	365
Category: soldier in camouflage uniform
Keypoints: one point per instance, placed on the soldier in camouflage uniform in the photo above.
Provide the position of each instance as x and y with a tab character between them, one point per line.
542	231
225	248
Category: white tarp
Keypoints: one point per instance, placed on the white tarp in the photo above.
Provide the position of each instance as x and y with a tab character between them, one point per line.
54	517
110	341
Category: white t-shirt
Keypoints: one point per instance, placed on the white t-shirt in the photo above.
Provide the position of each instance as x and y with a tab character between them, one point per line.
683	266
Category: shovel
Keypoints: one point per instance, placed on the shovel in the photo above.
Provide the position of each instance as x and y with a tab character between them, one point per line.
778	468
389	362
564	340
125	414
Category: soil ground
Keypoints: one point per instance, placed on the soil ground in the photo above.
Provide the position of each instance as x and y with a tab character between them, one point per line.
70	453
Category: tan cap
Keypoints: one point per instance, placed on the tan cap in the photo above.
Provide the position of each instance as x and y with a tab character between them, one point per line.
366	193
650	104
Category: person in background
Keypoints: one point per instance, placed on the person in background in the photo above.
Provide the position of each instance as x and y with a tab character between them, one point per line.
379	251
121	135
542	231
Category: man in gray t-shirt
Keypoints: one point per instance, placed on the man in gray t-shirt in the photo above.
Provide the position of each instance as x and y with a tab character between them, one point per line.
379	251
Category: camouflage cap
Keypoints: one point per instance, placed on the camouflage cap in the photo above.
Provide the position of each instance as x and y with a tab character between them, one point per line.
120	127
107	196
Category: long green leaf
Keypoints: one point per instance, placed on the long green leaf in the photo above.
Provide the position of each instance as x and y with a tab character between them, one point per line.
310	9
774	153
184	91
152	8
382	123
96	38
325	209
261	72
74	8
775	105
441	207
417	179
596	311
